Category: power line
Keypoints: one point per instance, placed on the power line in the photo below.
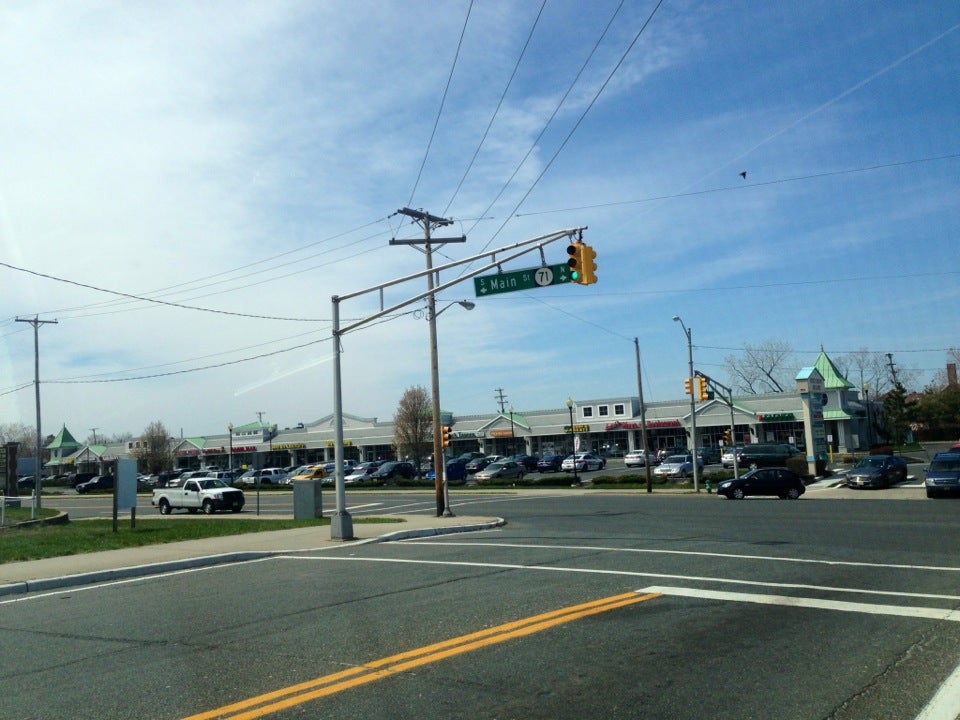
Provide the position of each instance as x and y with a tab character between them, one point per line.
157	302
443	100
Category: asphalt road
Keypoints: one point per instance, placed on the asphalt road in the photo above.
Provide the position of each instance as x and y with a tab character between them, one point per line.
586	605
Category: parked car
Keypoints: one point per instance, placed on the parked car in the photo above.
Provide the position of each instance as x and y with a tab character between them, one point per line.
529	462
468	456
501	470
550	463
83	477
709	455
100	482
664	453
877	471
779	482
306	472
636	458
583	463
478	464
726	459
456	470
765	455
943	475
677	466
393	470
363	471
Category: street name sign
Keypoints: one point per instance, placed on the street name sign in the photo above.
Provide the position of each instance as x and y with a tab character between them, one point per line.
525	279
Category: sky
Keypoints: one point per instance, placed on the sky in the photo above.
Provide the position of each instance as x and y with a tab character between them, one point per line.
184	187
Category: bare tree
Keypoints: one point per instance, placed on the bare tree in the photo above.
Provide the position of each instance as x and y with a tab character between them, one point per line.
767	367
154	453
413	425
24	435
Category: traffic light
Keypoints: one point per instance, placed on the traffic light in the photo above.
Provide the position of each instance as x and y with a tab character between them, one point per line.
688	386
589	271
727	440
576	261
445	435
702	392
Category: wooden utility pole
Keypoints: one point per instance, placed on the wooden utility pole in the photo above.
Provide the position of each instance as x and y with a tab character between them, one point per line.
429	222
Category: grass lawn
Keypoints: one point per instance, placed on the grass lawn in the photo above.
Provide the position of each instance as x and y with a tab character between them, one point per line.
36	541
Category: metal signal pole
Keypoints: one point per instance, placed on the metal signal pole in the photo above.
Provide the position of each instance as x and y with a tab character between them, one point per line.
37	322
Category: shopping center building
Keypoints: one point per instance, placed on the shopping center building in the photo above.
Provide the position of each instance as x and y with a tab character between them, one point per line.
606	426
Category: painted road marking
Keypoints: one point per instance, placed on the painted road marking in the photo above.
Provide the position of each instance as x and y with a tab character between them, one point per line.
623	573
326	685
786	600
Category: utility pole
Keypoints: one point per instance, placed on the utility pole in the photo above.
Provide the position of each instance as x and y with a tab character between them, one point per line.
37	322
501	399
893	369
429	223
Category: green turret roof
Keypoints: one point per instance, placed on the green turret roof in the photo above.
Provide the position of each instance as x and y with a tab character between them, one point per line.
832	378
63	441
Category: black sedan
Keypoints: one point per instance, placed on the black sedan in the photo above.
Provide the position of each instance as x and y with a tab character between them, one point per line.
100	482
550	463
779	482
877	471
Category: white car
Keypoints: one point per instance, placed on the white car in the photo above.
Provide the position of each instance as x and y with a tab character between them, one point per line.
678	466
584	462
727	458
635	458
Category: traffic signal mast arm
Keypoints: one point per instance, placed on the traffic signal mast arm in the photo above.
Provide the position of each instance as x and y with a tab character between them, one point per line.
523	247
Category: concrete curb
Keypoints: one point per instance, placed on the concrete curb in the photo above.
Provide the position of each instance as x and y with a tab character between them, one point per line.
137	571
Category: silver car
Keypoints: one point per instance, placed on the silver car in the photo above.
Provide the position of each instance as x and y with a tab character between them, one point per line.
678	466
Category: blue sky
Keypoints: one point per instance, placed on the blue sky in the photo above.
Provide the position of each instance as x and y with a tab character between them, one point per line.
247	160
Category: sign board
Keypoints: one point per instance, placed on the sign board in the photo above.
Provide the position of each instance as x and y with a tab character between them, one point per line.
526	279
126	483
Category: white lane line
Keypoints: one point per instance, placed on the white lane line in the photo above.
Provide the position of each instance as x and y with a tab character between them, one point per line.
623	573
842	606
700	553
945	705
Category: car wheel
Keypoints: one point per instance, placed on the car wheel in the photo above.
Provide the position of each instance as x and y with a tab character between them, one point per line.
931	494
793	493
738	494
207	507
165	508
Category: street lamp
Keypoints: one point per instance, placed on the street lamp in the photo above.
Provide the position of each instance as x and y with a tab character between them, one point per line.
230	430
576	478
693	404
439	462
866	400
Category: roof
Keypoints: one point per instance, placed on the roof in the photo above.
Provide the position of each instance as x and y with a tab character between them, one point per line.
832	378
63	441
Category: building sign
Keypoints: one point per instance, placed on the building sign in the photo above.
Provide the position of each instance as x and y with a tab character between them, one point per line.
346	443
776	417
501	433
622	426
243	448
290	446
663	423
576	428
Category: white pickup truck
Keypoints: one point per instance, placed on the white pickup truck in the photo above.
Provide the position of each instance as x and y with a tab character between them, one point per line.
207	494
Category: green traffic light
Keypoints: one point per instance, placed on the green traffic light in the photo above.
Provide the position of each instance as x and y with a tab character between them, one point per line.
574	275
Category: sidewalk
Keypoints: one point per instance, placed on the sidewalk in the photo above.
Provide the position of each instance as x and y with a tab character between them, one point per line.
73	570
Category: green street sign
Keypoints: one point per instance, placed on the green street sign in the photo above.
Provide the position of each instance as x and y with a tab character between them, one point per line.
526	279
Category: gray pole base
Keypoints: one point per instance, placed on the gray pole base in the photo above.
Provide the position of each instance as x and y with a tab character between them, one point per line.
341	526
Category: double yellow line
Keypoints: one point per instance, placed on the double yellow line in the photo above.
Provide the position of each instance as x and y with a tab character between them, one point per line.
287	697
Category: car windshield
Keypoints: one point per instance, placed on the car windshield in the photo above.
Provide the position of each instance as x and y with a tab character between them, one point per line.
945	465
496	466
676	459
212	483
871	462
